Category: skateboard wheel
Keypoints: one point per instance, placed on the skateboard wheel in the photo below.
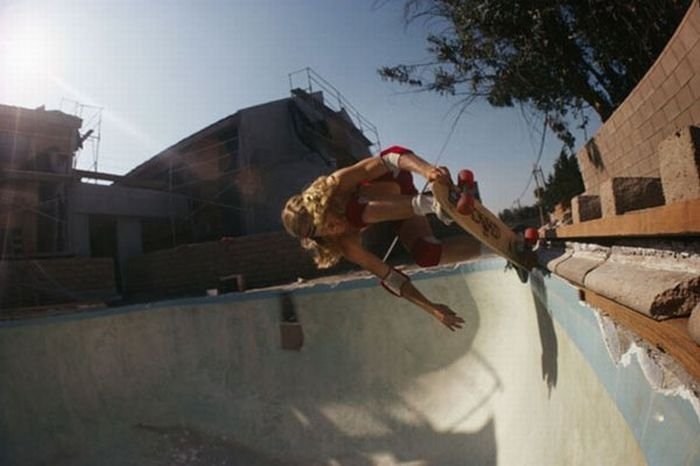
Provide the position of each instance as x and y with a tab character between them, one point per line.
465	178
465	205
531	236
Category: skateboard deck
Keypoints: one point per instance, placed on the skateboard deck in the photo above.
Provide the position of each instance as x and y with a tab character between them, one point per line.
486	227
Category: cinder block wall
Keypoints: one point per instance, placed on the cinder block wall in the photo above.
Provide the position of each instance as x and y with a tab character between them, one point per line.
40	282
264	260
665	100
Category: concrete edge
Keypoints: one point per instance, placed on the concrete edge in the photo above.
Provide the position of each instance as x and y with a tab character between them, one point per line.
583	259
657	283
321	285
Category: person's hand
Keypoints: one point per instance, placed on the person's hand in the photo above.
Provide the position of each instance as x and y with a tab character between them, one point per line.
447	316
439	174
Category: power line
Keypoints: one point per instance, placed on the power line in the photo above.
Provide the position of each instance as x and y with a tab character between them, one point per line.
437	159
527	186
544	133
536	164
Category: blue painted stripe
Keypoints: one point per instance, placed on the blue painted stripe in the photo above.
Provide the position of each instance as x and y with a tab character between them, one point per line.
666	428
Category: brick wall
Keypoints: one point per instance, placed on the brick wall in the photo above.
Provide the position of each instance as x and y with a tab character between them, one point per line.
264	260
40	282
665	100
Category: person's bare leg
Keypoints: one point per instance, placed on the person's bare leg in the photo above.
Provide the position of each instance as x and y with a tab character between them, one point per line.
385	202
454	249
388	207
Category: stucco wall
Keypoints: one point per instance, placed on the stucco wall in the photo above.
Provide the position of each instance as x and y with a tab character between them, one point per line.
94	199
276	163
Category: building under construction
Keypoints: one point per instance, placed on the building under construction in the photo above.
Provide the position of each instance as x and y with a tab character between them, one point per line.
69	235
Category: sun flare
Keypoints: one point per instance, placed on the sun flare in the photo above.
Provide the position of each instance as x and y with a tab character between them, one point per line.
28	56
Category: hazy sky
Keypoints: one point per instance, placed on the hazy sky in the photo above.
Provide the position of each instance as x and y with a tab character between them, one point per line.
162	70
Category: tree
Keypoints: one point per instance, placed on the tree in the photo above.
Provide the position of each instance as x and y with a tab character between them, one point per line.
558	58
526	215
561	186
563	183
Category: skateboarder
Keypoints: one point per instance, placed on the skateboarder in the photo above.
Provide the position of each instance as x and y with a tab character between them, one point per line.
329	215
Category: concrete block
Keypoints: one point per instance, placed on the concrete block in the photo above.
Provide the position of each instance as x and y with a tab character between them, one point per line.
694	324
552	256
679	163
232	283
585	207
620	195
659	284
581	262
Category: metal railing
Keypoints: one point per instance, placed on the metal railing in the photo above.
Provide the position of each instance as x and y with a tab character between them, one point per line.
333	99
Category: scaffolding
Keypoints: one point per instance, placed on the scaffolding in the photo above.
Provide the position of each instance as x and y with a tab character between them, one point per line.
312	82
92	130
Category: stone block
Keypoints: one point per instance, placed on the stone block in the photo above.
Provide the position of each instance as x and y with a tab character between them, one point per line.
658	283
552	255
620	195
585	207
679	164
581	262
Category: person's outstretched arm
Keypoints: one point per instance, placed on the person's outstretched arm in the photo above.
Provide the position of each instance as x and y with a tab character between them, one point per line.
399	284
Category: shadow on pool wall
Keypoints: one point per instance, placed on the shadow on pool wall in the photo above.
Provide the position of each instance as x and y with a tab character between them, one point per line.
548	336
359	387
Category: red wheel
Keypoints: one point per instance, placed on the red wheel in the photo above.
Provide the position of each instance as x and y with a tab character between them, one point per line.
531	235
465	179
465	205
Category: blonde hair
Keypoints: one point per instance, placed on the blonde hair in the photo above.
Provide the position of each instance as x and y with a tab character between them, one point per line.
309	210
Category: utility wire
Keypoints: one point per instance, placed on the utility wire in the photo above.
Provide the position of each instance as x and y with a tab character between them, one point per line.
539	157
437	159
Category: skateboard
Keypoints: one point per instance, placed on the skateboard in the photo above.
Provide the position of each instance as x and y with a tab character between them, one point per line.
460	204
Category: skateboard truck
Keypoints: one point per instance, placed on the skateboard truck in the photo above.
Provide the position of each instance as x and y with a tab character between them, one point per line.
461	202
531	236
527	241
527	238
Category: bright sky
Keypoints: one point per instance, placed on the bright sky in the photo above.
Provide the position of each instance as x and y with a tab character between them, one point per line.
162	70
